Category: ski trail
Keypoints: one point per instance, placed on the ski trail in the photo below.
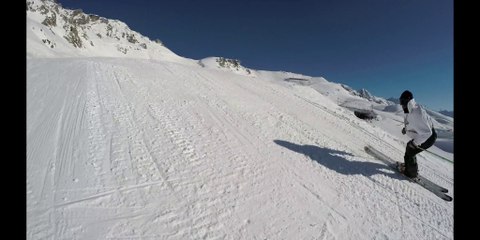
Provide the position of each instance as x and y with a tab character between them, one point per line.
50	137
148	149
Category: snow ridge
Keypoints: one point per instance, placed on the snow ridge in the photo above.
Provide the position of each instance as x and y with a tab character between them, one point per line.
226	64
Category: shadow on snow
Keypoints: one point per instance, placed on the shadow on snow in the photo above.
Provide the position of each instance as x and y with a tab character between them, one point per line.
336	160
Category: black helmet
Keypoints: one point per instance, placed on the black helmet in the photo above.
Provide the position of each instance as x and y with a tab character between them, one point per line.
405	97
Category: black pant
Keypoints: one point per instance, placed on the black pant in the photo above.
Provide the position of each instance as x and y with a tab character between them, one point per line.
411	167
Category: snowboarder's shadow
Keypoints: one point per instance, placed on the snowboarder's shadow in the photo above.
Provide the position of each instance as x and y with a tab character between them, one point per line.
337	161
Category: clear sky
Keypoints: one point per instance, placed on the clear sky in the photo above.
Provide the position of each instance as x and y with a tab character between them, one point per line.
384	46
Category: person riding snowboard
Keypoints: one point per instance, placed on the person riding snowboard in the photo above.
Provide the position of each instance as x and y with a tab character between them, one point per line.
419	127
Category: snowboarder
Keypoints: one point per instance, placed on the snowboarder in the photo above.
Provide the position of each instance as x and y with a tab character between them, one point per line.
419	127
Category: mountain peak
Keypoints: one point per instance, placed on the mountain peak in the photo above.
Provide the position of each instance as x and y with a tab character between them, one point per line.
55	31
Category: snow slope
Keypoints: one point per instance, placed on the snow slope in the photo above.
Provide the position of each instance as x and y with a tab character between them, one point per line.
129	148
167	148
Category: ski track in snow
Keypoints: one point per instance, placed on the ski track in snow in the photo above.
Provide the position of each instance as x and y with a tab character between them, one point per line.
139	149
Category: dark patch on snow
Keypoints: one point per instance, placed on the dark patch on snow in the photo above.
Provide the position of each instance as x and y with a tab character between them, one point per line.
301	81
366	115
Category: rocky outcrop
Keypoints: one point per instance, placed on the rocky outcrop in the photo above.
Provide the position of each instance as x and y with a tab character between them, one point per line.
84	31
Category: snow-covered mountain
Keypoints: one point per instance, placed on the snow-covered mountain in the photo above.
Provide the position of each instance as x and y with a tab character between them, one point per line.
127	140
53	31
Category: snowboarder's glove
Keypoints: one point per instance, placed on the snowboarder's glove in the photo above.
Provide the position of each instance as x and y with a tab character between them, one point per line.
412	145
404	131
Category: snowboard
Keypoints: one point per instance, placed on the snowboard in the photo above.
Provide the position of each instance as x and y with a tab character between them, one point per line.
422	181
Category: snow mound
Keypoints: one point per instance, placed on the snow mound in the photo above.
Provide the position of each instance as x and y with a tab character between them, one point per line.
225	64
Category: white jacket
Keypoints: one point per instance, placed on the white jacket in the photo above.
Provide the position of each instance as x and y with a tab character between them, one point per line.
417	123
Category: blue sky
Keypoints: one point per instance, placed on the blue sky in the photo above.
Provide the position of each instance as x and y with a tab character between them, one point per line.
384	46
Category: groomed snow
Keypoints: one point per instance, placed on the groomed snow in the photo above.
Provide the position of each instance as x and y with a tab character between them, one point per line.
147	149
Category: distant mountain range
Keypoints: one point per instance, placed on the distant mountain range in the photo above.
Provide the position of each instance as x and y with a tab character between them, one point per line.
444	112
447	113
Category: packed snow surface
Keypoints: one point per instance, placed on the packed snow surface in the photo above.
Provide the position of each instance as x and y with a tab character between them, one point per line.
131	148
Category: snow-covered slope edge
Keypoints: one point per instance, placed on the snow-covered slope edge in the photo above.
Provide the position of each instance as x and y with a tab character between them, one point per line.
226	64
